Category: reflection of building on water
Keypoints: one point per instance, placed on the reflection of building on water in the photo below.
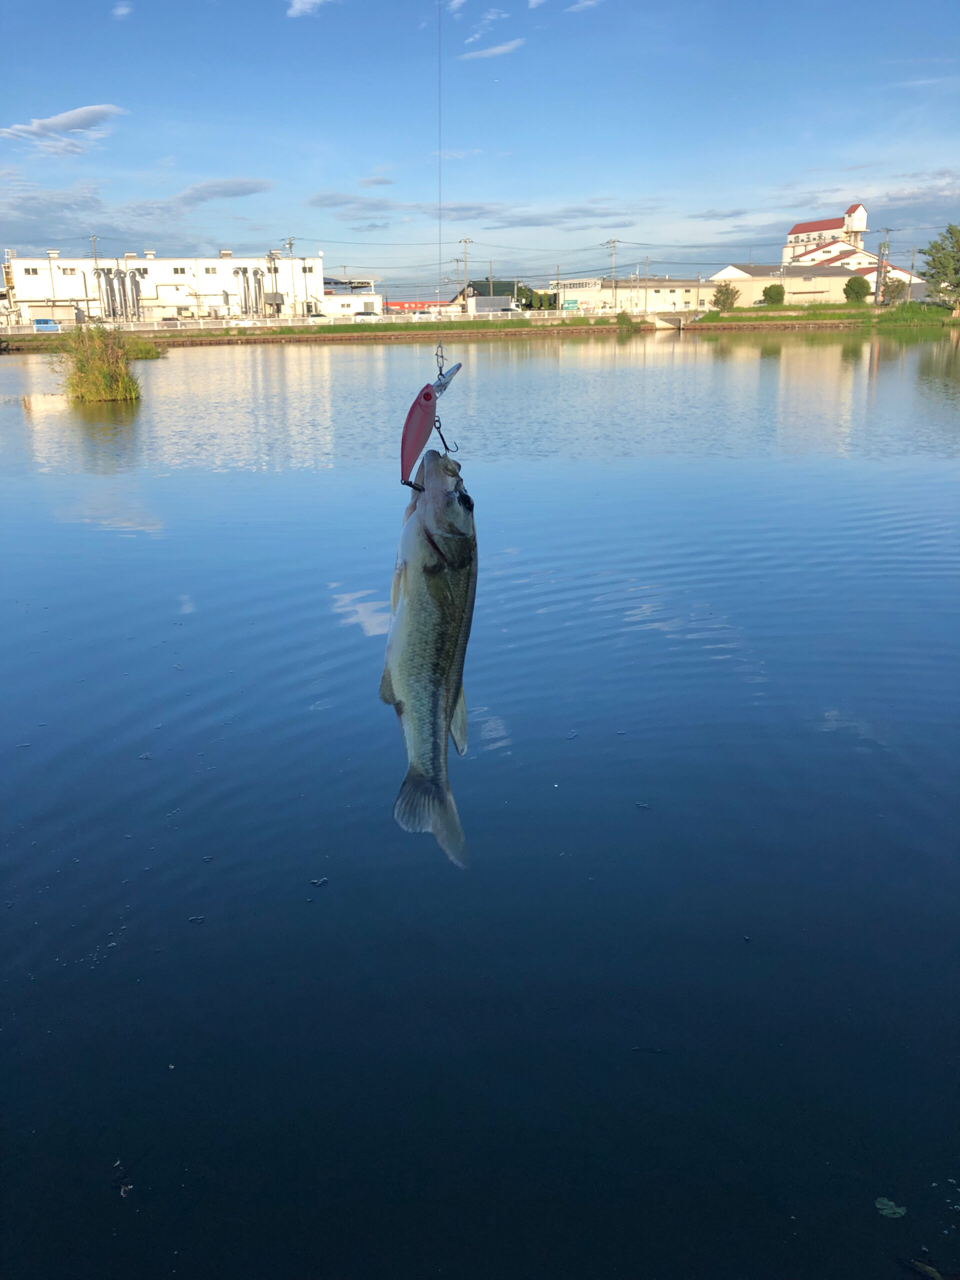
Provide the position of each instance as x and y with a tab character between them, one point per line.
67	436
819	384
251	408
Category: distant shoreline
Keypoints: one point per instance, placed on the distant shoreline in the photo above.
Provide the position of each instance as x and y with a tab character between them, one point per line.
489	331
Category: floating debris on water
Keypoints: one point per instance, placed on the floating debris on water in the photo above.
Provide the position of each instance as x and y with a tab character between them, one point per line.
194	919
641	805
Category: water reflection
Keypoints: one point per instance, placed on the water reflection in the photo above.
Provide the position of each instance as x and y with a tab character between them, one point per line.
275	408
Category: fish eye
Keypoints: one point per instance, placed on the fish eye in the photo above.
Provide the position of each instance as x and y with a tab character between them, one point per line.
465	501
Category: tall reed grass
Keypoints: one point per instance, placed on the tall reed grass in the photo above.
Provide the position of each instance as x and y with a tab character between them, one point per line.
96	363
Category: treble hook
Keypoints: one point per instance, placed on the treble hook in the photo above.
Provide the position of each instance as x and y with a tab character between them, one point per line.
447	449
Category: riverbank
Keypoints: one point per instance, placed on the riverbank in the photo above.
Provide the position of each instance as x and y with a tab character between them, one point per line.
910	316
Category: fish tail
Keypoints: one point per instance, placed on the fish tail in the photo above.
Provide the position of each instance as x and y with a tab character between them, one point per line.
426	805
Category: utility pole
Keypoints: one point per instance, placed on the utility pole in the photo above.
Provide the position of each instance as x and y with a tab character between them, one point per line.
293	282
465	240
913	263
883	255
559	308
646	281
491	279
612	244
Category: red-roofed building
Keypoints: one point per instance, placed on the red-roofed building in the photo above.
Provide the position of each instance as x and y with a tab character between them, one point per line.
847	230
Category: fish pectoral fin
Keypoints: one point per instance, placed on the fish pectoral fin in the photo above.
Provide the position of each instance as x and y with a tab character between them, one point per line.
397	585
386	688
426	805
458	725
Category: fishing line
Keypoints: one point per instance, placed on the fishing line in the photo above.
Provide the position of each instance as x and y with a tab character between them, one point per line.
440	352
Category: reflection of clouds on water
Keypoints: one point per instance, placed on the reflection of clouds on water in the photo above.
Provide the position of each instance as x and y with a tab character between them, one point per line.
368	614
187	605
111	509
494	734
833	722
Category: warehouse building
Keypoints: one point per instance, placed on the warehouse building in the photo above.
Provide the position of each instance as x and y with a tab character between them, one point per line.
149	288
635	294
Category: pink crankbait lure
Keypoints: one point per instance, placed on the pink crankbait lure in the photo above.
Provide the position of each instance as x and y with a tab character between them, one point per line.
421	420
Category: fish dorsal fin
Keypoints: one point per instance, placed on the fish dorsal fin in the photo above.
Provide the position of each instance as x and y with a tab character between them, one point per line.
458	725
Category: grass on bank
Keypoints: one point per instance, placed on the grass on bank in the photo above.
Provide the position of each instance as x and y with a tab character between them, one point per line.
95	363
908	313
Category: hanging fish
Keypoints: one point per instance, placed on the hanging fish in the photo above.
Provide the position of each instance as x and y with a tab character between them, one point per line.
434	585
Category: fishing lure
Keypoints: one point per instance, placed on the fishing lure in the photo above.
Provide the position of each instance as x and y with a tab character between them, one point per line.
421	421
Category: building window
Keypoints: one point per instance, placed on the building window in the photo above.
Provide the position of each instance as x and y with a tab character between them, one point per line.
308	271
179	271
69	271
209	271
29	271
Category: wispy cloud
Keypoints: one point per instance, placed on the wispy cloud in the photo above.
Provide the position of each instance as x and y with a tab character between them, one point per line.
497	51
375	182
927	83
718	215
299	8
34	217
535	4
220	189
374	214
67	134
121	11
455	6
581	5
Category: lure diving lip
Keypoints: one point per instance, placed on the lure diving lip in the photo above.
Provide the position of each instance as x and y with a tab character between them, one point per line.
420	422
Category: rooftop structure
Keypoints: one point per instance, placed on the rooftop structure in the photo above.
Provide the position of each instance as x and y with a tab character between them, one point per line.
847	229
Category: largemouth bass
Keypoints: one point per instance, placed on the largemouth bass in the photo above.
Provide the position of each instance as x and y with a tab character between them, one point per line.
434	585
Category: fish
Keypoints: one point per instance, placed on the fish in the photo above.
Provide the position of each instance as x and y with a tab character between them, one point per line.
431	603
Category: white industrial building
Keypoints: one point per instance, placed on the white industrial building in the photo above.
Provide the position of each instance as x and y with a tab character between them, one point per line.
635	294
145	287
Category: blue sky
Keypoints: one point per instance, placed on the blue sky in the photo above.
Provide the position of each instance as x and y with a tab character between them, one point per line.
692	132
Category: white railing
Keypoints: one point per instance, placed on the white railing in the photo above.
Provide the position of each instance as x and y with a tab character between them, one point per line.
241	324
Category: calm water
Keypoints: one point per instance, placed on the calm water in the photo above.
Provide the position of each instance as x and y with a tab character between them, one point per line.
692	1008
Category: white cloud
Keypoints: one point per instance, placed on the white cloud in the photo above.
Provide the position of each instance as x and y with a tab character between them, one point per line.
68	133
376	181
34	218
497	51
220	189
581	5
298	8
535	4
719	215
122	10
455	6
493	216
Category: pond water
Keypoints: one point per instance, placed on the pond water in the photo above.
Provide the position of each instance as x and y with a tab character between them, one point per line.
691	1009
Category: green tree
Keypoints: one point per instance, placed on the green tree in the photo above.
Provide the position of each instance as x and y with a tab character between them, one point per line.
856	290
895	290
725	296
774	294
942	272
